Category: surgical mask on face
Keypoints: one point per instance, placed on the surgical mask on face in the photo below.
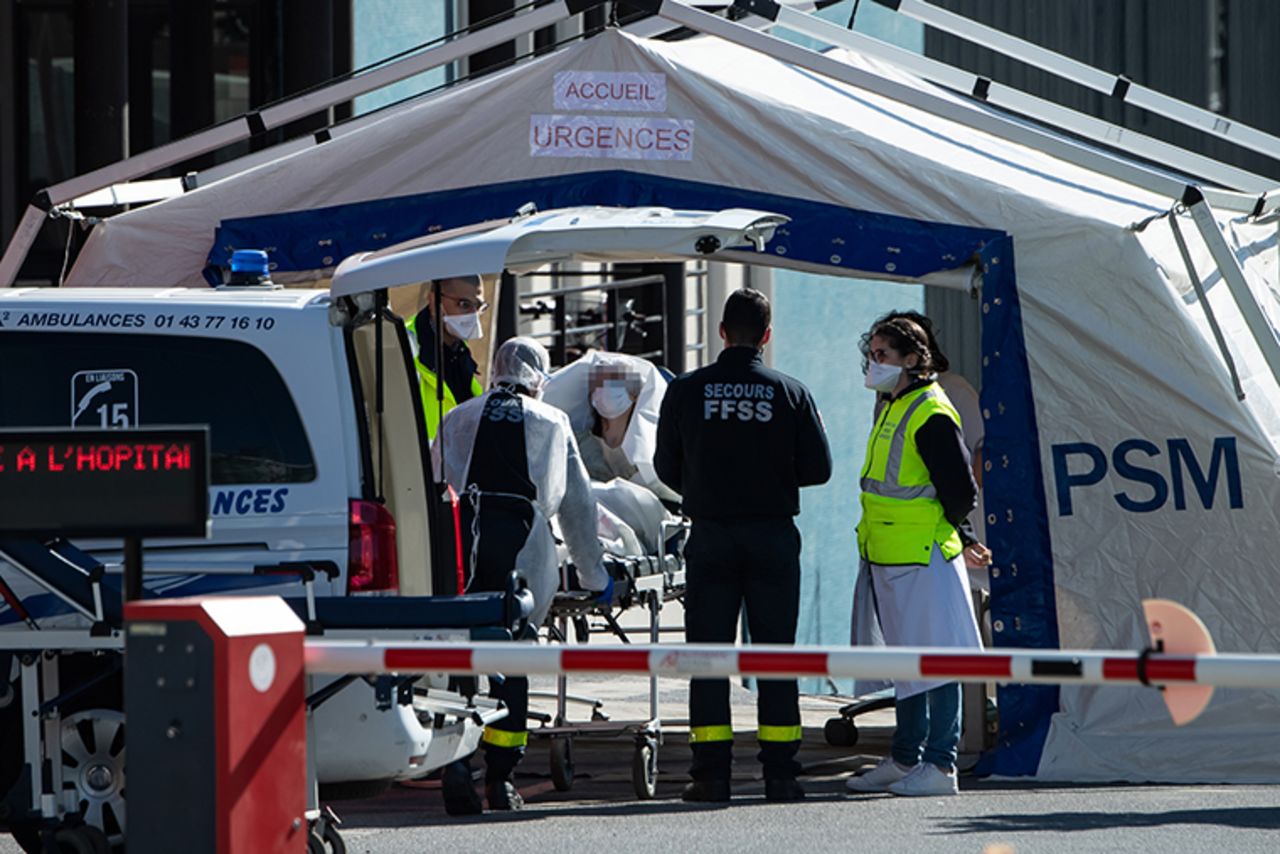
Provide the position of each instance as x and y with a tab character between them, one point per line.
882	377
611	401
464	326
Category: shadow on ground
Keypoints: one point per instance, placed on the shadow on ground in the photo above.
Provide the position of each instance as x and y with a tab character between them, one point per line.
602	784
1242	818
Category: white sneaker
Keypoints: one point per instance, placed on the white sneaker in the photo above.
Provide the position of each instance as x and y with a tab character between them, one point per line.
879	778
925	780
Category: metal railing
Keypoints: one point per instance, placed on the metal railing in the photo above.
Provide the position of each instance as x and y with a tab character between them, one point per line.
621	316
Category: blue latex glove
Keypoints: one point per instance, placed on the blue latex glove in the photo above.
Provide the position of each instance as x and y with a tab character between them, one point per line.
606	595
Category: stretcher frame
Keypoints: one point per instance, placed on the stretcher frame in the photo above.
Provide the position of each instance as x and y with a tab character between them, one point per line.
663	582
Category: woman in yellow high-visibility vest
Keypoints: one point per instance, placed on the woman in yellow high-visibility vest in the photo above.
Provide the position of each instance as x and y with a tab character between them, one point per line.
913	539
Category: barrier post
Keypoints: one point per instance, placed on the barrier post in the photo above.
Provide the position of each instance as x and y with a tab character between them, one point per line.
214	699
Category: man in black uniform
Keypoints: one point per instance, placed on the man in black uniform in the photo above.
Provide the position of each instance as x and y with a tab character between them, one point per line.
738	440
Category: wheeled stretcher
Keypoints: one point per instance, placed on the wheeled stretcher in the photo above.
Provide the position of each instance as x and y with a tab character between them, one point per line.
48	803
640	581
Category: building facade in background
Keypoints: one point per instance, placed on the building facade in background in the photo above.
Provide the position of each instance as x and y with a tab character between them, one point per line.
1212	53
84	83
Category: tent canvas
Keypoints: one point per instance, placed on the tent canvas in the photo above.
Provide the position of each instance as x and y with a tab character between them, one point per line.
1120	463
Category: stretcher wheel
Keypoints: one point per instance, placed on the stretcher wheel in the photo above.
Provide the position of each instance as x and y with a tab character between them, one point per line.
562	763
644	769
840	732
315	845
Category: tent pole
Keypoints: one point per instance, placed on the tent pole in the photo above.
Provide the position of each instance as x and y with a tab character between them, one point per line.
1006	97
1115	85
1204	302
1259	327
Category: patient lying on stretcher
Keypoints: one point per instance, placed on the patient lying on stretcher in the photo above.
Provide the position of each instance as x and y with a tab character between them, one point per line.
613	402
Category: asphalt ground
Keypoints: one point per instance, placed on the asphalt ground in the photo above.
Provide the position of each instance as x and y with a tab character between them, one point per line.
602	814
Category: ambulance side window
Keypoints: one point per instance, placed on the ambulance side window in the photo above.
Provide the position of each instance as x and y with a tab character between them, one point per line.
54	379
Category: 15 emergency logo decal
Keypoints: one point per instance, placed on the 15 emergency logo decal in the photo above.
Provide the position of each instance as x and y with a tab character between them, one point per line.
105	398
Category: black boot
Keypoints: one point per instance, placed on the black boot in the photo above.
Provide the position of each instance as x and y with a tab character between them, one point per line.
500	764
783	789
707	791
502	796
460	797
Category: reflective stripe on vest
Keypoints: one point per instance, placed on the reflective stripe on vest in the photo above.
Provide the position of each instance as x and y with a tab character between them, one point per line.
889	486
779	733
705	734
503	738
901	516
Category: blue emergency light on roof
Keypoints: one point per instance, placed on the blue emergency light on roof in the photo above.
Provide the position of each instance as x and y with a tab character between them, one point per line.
249	268
250	262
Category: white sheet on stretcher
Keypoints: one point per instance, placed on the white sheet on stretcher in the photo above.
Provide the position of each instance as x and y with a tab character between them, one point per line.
629	520
637	508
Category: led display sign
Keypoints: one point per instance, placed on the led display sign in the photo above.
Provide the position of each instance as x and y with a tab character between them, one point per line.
109	483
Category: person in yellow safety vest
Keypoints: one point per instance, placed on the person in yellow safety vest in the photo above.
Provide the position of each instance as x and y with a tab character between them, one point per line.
913	538
462	307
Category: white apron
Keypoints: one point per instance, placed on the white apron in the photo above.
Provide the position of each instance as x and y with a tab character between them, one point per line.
917	606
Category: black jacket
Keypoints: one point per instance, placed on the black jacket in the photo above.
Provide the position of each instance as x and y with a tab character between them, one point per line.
738	440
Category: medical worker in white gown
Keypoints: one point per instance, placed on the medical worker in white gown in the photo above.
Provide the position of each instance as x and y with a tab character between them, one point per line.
913	540
515	465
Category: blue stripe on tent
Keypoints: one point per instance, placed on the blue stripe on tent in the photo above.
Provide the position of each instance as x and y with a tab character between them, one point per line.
819	233
823	234
1022	592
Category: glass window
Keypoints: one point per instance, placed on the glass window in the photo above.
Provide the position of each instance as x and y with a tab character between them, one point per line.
45	119
50	101
231	67
93	380
382	29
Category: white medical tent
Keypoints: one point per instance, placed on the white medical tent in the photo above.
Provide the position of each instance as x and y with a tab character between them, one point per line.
1129	383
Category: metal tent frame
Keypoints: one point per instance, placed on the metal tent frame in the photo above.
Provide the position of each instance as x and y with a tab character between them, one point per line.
1117	86
1221	185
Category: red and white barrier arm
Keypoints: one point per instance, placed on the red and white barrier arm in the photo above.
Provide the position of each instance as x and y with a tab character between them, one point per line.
1091	667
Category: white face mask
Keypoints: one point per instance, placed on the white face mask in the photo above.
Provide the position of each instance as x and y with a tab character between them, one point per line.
882	377
464	326
610	400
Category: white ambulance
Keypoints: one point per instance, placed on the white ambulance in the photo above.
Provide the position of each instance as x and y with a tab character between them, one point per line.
309	463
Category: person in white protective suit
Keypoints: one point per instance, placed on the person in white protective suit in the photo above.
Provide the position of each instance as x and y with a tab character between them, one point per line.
613	401
514	463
